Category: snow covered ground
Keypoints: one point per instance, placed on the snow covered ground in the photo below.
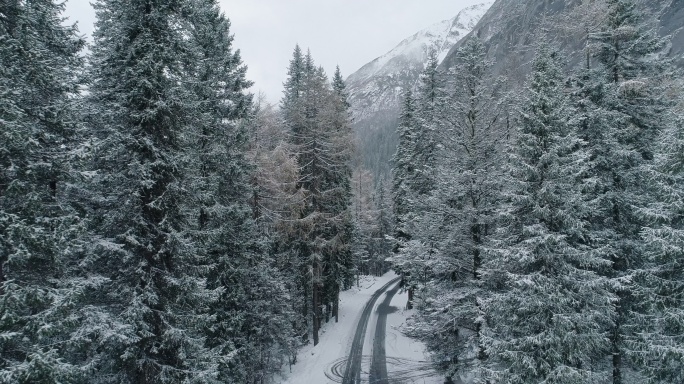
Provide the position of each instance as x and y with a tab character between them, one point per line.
407	360
335	340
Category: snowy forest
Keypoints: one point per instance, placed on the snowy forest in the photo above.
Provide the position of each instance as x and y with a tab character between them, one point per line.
159	223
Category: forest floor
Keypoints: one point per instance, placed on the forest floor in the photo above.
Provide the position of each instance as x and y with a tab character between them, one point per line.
405	359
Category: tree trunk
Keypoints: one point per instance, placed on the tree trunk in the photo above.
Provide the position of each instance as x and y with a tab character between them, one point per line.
336	303
409	304
617	353
314	312
476	234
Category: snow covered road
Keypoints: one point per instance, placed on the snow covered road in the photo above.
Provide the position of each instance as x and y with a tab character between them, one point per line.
378	367
350	345
352	373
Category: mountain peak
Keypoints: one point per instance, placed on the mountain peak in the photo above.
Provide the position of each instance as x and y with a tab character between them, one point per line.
377	85
375	90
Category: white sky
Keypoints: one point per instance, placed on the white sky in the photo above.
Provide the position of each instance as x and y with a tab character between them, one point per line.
346	32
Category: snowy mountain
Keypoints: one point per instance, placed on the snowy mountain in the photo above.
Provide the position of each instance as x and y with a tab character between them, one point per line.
375	90
377	85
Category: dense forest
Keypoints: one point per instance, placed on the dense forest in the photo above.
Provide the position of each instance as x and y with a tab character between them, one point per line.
541	229
160	224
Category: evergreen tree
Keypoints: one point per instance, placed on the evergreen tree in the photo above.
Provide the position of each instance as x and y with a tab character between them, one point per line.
549	310
340	89
293	243
428	98
403	171
251	320
405	175
155	304
39	230
384	227
662	282
339	268
316	116
463	209
364	221
415	179
621	118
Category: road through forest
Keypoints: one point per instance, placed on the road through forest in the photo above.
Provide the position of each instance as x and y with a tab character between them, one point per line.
352	373
378	367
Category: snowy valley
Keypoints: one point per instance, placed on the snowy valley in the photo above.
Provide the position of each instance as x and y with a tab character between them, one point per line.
499	199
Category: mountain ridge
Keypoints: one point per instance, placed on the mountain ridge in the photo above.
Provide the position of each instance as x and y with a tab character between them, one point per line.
376	89
377	85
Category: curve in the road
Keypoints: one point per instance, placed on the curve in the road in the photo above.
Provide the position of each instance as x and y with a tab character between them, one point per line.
352	374
378	368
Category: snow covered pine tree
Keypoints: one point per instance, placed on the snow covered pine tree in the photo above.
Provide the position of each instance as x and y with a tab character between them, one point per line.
39	62
547	309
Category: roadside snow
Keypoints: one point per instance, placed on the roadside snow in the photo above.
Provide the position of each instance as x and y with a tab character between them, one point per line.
335	338
407	359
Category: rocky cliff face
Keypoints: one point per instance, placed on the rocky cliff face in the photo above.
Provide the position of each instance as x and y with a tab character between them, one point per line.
378	85
510	29
672	24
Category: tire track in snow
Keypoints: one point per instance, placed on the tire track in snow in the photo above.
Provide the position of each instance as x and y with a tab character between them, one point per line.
352	374
378	367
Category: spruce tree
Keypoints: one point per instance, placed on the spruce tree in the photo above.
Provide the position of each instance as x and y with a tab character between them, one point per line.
293	245
428	98
384	226
621	120
403	171
364	221
340	267
316	116
463	208
39	230
549	309
250	322
154	306
661	349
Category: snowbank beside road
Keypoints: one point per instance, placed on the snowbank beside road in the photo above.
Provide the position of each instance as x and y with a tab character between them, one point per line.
406	357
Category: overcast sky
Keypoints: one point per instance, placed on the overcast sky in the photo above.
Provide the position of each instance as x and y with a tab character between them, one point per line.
345	32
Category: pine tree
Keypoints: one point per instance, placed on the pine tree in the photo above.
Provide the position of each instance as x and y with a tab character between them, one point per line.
154	307
662	282
384	226
403	171
250	326
621	112
549	310
405	175
463	207
39	230
315	114
428	97
339	268
364	220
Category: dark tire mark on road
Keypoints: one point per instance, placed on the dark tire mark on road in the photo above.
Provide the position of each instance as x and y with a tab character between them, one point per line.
352	374
378	368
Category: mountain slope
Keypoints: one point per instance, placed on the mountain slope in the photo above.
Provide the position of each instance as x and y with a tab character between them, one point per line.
375	90
378	84
511	28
